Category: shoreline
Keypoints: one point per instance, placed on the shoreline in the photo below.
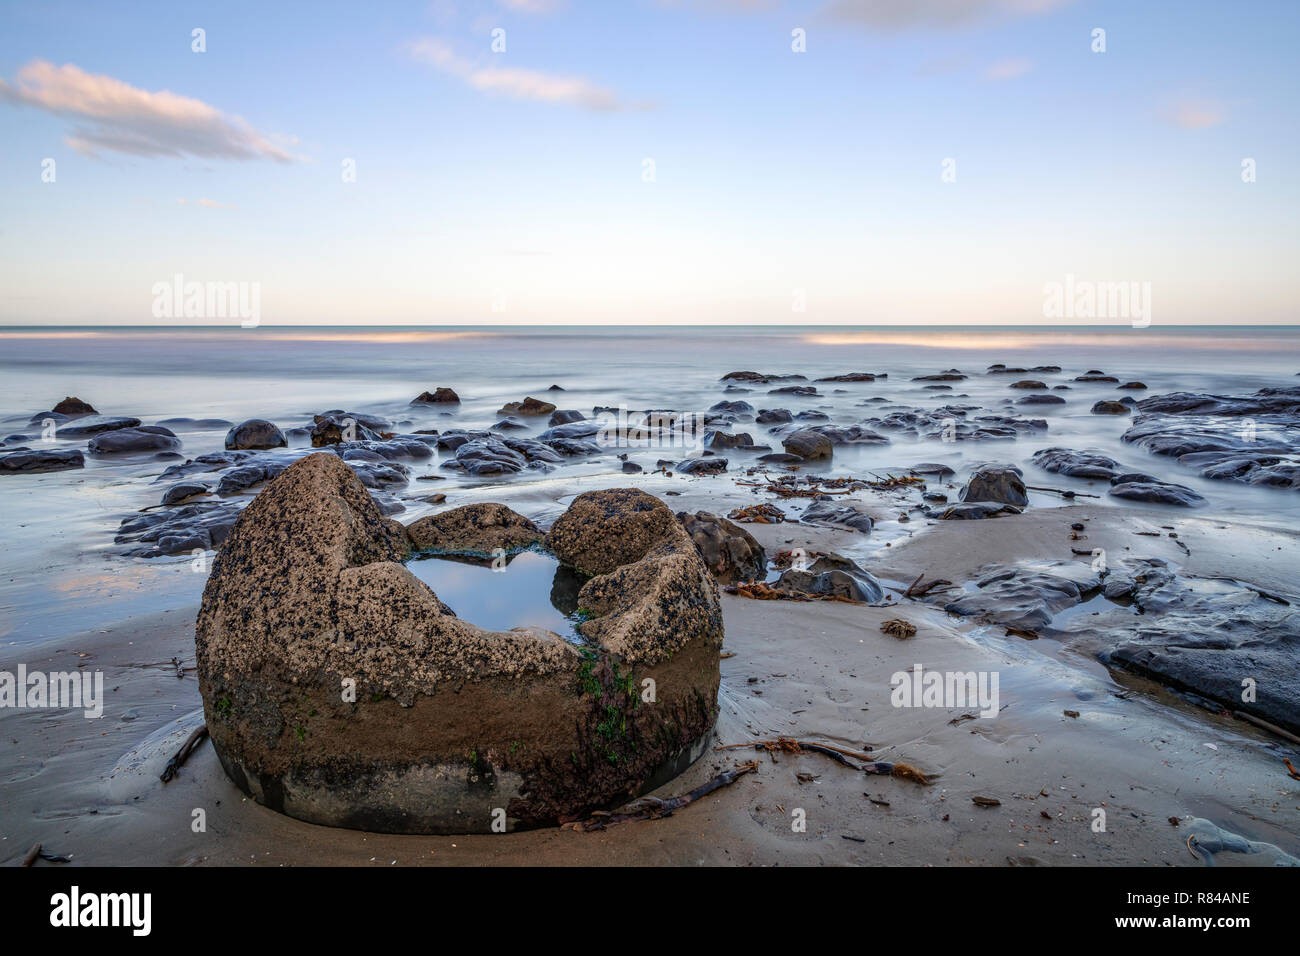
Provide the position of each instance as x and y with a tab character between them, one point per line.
813	670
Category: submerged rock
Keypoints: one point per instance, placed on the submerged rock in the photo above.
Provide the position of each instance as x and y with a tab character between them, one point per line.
1204	636
716	439
1076	464
1254	439
448	720
529	406
34	461
440	396
708	465
808	444
95	424
194	527
564	416
1111	408
1026	596
975	510
133	440
1136	486
74	407
854	377
761	378
825	511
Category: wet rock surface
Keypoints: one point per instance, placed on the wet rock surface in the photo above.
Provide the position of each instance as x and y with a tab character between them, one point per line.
30	461
123	441
74	407
1253	439
999	483
529	406
1025	596
808	444
1136	486
1076	464
183	530
474	529
831	575
254	434
440	396
708	465
92	425
830	513
974	511
1213	637
730	552
1110	408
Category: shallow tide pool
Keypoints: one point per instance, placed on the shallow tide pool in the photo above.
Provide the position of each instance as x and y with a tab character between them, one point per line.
528	588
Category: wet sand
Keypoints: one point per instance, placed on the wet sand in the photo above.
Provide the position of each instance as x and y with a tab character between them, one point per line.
814	670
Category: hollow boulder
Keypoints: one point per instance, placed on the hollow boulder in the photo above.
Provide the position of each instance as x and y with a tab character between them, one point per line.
340	690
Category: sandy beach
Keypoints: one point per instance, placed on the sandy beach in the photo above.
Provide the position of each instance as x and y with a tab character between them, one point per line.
814	670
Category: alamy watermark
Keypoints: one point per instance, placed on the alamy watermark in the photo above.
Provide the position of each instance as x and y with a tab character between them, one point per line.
1089	299
59	690
179	299
654	429
945	689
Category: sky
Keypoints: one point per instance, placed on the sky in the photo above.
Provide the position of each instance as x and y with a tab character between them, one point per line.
857	162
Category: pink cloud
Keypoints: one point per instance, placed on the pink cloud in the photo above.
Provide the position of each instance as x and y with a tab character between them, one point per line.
121	118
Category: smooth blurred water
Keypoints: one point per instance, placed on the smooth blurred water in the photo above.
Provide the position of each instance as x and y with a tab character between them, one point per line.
59	569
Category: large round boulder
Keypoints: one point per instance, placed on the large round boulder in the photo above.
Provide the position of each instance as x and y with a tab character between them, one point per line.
256	433
340	690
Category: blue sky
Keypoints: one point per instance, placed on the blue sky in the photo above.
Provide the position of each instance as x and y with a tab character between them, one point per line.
509	187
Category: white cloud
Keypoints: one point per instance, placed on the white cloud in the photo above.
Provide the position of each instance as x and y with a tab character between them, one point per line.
1197	114
1008	69
121	118
206	203
909	14
515	82
532	6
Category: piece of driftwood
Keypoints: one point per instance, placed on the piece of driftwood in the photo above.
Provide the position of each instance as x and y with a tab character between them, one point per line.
1062	493
37	853
654	808
917	590
789	745
191	744
1270	727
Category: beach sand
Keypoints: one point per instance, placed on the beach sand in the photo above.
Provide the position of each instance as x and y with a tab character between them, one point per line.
89	789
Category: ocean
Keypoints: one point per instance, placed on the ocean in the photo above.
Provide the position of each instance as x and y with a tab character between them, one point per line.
61	571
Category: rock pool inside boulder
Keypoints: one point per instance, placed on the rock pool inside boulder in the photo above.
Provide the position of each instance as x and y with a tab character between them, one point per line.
342	689
530	588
